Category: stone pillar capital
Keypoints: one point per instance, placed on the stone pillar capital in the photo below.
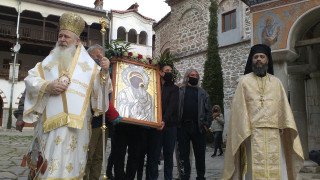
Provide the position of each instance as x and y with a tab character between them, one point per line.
284	55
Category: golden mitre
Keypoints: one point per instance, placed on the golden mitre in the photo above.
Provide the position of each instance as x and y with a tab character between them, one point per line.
72	22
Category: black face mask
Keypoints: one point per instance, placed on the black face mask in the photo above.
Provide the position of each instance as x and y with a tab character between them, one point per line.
193	81
168	77
97	61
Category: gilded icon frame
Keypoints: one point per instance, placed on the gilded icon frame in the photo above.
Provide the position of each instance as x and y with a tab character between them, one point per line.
136	92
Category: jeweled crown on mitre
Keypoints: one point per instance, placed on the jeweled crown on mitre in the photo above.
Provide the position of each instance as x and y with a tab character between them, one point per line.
72	22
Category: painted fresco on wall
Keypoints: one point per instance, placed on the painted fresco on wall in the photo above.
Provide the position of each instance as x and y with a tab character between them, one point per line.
269	30
273	26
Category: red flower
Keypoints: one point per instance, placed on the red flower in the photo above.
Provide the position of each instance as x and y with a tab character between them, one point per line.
150	61
130	54
139	56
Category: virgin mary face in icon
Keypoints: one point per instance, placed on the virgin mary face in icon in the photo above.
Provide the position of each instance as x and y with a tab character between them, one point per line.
136	80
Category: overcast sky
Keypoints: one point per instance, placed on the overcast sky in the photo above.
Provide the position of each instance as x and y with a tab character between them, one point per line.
155	9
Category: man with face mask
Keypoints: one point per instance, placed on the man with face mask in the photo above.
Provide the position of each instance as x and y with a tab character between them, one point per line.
95	152
195	115
263	141
164	139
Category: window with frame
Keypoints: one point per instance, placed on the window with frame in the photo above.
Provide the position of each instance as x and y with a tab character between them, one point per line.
229	21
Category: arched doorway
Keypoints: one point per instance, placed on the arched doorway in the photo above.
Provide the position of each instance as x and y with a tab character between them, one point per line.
143	38
121	34
304	78
132	36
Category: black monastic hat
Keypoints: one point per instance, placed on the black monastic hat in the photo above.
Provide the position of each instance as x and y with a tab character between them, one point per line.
259	48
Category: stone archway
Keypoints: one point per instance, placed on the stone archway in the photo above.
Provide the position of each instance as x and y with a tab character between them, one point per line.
3	101
304	78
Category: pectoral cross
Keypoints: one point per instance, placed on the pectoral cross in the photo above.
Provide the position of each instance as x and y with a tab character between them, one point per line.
261	100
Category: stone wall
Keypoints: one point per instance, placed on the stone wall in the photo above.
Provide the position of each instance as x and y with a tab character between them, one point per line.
185	31
191	27
162	36
195	61
233	62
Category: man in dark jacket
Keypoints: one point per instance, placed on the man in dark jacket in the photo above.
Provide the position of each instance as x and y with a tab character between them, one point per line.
164	139
195	114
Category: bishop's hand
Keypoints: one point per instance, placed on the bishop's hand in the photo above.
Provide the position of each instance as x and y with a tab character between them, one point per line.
56	87
105	63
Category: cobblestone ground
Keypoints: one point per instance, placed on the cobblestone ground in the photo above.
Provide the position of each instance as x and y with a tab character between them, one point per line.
14	144
12	147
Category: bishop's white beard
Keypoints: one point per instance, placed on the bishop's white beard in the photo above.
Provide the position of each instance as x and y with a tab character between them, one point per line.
64	55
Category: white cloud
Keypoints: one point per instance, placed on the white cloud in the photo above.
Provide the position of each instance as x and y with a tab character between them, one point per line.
155	9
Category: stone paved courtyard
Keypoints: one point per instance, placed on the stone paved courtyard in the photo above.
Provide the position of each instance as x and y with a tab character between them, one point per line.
14	144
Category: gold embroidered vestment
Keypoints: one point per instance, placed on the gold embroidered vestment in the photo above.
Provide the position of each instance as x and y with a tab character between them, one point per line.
259	114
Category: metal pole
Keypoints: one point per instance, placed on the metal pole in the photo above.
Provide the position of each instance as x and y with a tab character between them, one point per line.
104	81
110	27
16	49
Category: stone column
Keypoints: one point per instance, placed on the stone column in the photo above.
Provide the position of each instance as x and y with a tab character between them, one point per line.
313	104
127	34
281	71
138	35
298	106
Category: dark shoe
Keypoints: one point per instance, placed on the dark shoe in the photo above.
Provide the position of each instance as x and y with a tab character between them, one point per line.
110	177
213	155
221	154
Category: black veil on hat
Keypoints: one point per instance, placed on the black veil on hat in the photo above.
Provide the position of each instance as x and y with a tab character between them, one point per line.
259	48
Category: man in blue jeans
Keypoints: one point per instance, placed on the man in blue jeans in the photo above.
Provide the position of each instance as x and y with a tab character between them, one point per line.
164	139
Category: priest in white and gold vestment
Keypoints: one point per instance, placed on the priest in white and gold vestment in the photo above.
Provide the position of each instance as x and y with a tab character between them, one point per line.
262	139
61	91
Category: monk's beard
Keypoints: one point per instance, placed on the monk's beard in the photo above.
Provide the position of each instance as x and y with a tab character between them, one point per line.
64	55
260	71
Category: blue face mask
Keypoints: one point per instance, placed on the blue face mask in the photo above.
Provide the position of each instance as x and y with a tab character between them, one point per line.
97	61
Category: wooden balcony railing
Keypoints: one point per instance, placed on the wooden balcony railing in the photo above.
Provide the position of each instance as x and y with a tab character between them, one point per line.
89	42
7	30
37	34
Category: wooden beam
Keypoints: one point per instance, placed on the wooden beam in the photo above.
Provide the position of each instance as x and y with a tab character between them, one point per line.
307	42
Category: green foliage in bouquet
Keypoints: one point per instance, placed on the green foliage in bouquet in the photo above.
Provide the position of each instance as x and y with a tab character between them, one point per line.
116	48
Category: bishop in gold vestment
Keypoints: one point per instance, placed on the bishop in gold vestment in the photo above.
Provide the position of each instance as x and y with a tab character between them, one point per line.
61	91
262	140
